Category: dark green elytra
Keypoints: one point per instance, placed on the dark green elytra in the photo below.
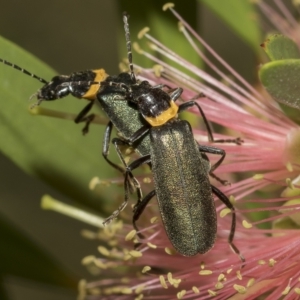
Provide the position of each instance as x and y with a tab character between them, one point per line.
124	115
182	188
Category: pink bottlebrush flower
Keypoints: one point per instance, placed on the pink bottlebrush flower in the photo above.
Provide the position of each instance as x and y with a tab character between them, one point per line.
267	160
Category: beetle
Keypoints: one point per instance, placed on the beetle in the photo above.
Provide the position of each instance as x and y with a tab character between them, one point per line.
182	187
94	85
180	170
80	85
120	97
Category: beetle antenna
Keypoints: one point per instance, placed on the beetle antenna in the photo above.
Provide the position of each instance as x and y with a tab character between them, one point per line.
23	71
128	45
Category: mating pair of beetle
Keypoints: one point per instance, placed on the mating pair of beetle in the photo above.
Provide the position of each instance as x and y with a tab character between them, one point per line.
146	118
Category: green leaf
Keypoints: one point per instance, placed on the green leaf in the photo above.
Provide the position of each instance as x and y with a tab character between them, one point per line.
240	16
52	149
281	79
22	258
278	47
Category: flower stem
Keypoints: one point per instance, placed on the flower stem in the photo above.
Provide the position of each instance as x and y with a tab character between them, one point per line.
50	203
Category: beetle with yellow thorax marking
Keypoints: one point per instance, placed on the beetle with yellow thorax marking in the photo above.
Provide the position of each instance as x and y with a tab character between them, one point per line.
100	76
164	117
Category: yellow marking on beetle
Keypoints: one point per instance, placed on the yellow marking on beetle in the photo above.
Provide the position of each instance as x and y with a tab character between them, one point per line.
164	117
94	88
